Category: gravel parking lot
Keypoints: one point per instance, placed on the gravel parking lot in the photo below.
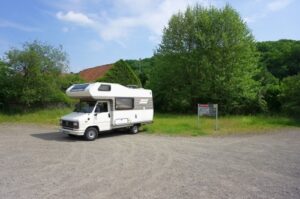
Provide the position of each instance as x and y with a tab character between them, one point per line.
39	162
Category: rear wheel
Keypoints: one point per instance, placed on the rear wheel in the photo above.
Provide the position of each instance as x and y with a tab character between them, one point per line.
134	129
91	134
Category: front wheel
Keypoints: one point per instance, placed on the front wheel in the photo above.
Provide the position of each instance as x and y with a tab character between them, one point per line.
91	134
134	129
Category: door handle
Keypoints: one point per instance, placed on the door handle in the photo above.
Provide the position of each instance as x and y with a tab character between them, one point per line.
108	114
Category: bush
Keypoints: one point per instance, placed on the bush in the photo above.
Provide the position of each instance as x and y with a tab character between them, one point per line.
30	77
121	73
290	96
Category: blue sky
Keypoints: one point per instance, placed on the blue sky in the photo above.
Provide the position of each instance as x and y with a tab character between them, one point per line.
96	32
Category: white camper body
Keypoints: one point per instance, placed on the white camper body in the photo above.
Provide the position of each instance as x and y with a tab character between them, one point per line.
107	106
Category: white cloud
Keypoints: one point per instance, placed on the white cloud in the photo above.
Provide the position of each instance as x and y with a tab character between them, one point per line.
276	5
153	14
255	17
75	17
115	29
127	15
66	5
249	19
10	24
271	6
150	14
154	38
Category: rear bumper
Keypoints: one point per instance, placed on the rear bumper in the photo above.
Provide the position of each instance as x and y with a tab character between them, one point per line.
73	131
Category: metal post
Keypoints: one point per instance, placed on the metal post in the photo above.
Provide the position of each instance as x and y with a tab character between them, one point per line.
198	114
216	117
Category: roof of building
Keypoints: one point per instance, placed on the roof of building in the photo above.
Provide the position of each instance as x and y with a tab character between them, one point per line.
94	73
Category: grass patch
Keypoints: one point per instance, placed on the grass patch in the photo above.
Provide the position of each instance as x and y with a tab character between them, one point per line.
171	124
46	116
229	125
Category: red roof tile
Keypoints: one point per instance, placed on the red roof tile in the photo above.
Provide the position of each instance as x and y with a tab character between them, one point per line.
92	74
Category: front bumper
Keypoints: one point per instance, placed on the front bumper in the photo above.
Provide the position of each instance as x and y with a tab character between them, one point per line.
73	131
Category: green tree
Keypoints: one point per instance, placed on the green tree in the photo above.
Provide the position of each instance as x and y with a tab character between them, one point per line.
270	91
142	68
121	73
68	79
206	55
281	58
290	96
5	80
33	75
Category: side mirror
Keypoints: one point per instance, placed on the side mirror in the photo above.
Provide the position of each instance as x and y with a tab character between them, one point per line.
95	114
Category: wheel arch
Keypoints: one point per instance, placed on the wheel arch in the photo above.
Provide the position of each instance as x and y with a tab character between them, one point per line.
95	126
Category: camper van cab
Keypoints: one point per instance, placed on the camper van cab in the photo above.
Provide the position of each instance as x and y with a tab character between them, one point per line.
106	106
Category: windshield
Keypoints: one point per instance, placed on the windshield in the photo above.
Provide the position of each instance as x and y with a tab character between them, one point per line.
85	106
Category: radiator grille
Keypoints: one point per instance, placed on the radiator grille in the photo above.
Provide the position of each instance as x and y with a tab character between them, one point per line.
67	124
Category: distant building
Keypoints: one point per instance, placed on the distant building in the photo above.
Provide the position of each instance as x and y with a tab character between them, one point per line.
92	74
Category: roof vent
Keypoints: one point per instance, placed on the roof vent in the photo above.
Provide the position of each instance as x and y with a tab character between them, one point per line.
132	86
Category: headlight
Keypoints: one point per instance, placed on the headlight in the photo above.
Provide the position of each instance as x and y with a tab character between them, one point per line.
76	125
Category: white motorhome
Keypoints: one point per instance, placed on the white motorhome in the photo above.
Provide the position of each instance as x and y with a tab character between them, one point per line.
107	106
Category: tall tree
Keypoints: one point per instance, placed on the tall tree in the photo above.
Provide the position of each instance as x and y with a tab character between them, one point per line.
206	55
121	73
142	68
281	58
33	74
290	96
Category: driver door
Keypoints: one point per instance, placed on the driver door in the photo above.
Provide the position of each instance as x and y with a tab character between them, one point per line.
102	116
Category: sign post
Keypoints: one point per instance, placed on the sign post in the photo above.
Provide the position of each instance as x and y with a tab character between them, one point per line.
210	110
216	108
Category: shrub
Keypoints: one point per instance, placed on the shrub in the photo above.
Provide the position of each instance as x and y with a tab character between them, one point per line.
290	96
121	73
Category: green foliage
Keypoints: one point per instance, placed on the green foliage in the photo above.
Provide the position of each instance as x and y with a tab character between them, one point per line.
6	78
270	91
68	79
142	67
290	96
206	55
37	116
281	58
121	73
30	76
172	124
278	60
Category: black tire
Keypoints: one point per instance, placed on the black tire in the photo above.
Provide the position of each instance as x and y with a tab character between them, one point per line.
134	129
91	134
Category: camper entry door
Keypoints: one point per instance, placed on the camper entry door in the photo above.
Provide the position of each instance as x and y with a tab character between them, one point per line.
102	115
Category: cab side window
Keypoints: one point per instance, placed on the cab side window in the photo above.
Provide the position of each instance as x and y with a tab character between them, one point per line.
101	107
